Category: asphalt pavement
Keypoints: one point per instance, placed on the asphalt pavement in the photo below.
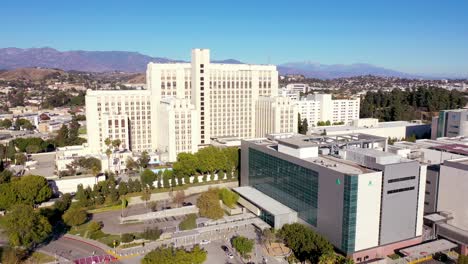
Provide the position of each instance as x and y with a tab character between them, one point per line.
66	249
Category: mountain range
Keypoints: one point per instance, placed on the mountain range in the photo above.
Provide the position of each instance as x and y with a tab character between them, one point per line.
106	61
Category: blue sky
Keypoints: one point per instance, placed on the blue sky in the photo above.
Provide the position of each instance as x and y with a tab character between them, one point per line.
428	37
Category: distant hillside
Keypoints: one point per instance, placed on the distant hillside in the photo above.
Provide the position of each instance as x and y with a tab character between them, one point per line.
89	61
137	78
30	74
323	71
134	62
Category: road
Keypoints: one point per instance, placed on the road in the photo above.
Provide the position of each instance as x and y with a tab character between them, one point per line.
111	219
67	249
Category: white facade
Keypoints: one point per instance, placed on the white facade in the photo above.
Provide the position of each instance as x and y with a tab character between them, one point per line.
298	87
105	108
275	115
368	210
321	107
219	98
177	127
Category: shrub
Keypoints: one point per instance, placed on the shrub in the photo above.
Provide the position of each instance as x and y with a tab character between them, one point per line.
208	203
228	197
151	233
74	216
190	222
127	237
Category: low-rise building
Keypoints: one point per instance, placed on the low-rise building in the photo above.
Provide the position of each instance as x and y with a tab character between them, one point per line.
366	202
450	123
372	126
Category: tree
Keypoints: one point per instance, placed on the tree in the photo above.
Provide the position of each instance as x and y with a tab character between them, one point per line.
304	242
20	159
302	125
5	176
127	237
116	143
243	245
30	190
6	123
131	164
228	197
123	188
62	136
208	204
25	227
146	195
190	222
232	160
73	133
144	160
108	154
179	198
169	255
75	216
186	164
151	233
147	178
63	203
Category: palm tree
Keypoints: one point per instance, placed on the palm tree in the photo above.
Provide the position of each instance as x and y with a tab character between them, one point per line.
108	143
108	153
116	144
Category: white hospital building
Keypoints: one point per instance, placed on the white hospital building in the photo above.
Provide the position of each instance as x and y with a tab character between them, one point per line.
187	104
321	107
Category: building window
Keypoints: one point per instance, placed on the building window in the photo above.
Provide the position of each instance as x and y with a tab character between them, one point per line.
402	179
400	190
291	184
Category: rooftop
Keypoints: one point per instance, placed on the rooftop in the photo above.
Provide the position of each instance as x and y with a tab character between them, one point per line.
428	249
453	148
301	141
380	125
339	165
262	200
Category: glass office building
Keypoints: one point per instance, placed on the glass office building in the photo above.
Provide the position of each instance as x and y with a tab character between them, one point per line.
293	185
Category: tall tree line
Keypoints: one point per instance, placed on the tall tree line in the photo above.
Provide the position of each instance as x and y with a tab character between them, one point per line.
405	105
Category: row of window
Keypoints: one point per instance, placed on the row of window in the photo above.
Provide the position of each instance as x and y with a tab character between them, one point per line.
402	179
400	190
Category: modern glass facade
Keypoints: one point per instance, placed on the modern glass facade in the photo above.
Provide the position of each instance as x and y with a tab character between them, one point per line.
292	185
349	213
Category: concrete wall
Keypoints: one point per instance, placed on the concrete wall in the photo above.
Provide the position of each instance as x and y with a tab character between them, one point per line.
70	184
192	209
368	210
453	192
399	210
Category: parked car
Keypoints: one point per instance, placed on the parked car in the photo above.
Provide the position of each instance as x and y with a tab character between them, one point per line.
205	242
224	248
230	255
186	204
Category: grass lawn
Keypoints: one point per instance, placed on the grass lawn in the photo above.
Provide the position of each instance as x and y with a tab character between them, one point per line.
105	209
39	257
100	236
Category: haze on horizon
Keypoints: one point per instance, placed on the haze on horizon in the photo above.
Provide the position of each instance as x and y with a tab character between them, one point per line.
417	37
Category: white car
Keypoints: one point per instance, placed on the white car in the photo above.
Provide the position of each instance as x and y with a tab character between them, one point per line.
204	242
230	255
